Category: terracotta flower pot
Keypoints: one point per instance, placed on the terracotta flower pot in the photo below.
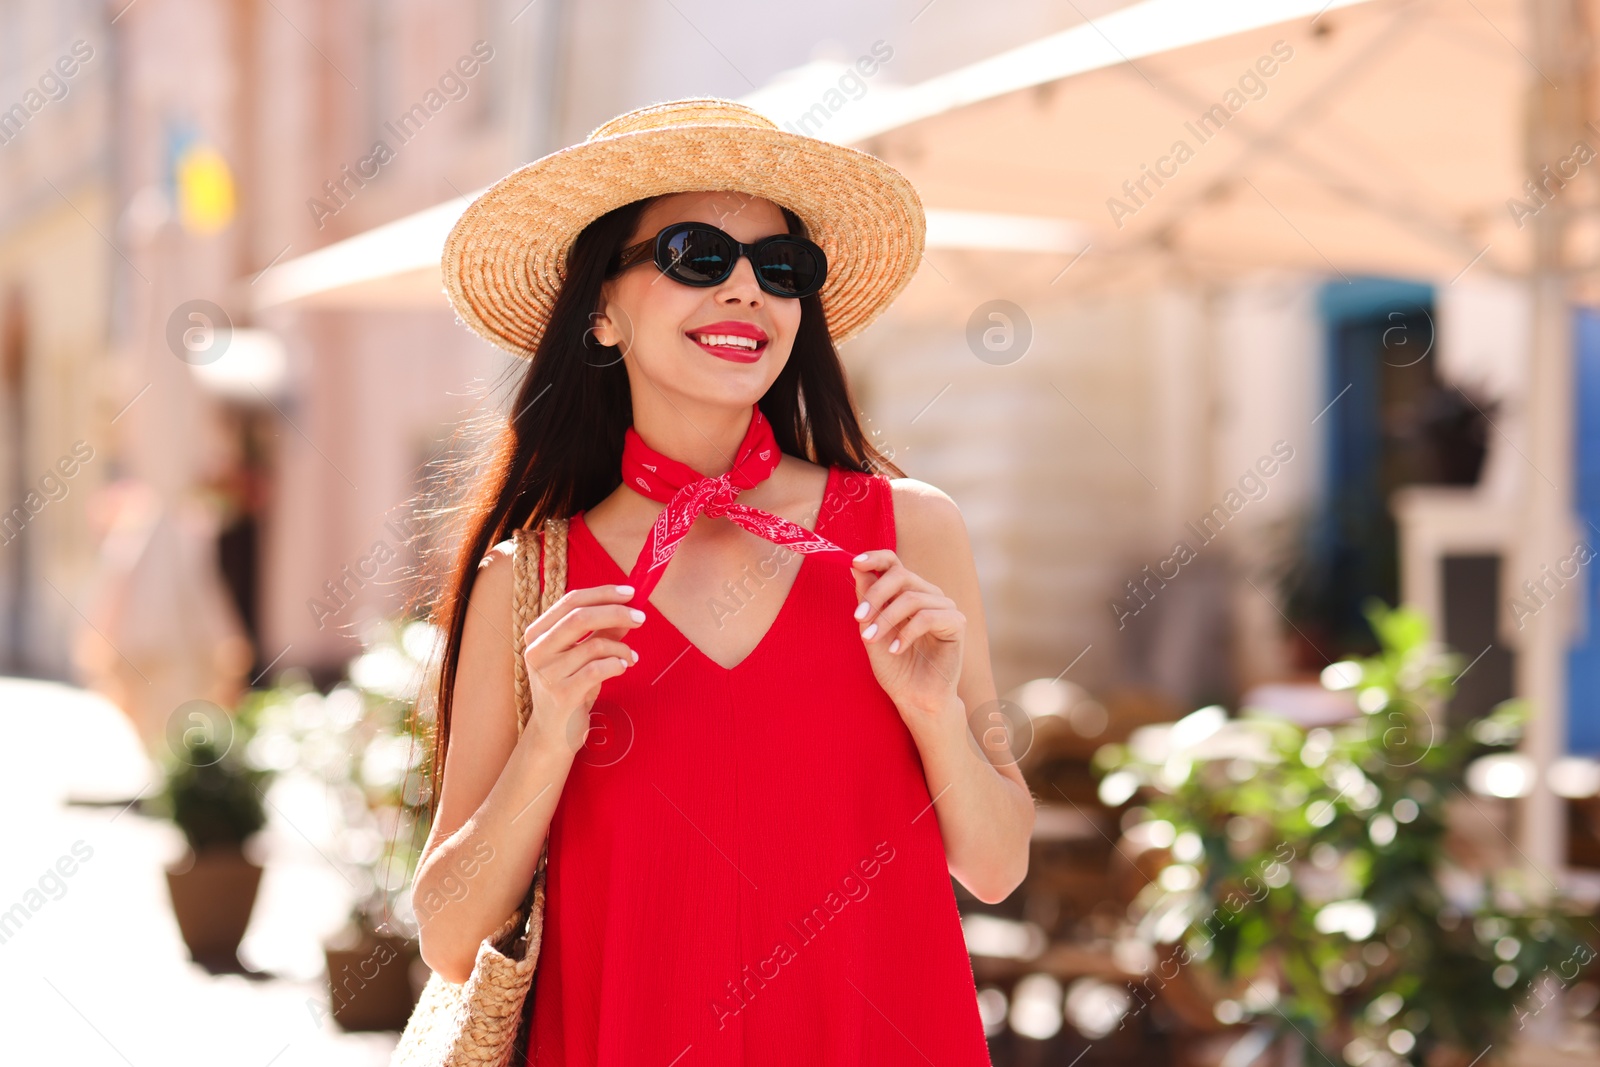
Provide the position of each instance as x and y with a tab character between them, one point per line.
213	892
369	983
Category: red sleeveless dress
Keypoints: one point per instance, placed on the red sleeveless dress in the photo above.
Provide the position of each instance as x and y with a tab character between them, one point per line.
745	866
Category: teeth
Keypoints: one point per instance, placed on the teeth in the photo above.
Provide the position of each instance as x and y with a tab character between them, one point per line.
726	340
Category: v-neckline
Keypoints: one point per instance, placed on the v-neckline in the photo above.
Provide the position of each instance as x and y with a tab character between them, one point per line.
579	522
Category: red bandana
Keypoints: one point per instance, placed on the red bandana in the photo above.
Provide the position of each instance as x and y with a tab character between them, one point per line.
687	493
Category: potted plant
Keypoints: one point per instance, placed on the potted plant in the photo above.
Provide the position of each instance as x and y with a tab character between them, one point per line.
1313	878
361	741
214	797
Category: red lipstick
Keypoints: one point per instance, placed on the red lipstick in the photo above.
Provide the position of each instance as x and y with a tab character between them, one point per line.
731	340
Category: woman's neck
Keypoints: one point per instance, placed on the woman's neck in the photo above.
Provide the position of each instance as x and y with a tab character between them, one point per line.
704	438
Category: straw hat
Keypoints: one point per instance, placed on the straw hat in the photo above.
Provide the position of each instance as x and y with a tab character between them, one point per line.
506	257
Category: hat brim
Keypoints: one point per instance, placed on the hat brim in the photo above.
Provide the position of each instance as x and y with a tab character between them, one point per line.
506	257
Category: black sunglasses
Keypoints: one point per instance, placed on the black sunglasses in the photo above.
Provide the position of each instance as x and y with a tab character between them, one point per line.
699	254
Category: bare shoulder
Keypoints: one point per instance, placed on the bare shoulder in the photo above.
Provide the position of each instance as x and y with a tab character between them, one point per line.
486	633
930	534
931	540
924	511
499	552
491	586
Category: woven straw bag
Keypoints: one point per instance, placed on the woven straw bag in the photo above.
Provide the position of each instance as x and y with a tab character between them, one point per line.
484	1021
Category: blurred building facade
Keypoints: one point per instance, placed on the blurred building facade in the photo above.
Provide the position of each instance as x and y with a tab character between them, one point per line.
245	135
57	193
1178	491
218	144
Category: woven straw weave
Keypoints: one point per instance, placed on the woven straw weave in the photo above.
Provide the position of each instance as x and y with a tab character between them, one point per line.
506	257
483	1022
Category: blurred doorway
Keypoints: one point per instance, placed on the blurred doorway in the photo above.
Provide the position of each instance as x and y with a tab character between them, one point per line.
1583	666
1390	421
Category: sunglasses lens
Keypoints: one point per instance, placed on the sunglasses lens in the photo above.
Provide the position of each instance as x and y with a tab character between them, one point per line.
788	267
699	256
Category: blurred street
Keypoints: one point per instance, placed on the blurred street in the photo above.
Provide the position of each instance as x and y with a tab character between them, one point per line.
99	974
1256	342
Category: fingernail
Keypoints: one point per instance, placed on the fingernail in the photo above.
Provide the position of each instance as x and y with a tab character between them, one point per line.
894	646
624	590
861	610
866	634
624	662
859	558
636	615
635	653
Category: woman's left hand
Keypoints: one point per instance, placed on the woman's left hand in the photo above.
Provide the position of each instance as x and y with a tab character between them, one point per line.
913	633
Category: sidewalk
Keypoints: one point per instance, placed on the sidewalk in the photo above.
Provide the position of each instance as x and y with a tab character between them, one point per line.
92	968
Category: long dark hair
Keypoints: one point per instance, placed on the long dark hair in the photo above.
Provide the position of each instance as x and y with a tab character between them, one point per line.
560	449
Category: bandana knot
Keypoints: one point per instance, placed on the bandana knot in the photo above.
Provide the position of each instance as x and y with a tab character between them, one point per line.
688	494
721	497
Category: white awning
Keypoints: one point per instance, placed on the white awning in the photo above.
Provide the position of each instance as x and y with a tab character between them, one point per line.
393	264
1177	139
397	264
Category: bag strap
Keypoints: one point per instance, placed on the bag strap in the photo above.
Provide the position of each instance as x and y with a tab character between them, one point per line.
539	579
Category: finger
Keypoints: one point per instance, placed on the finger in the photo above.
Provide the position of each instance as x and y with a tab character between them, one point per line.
575	598
572	600
877	559
593	673
567	681
883	562
894	582
571	628
869	568
875	590
569	662
902	607
586	682
941	625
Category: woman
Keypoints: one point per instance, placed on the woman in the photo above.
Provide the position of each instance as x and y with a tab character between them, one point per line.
754	766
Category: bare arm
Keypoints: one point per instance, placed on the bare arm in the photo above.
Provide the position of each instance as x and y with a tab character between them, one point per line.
985	810
499	790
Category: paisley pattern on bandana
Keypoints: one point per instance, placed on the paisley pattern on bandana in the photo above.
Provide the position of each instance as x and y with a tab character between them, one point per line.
688	493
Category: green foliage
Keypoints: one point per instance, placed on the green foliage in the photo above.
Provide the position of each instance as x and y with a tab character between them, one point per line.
214	797
362	742
1312	873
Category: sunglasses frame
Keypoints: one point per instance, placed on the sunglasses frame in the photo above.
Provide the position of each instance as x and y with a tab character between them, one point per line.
656	250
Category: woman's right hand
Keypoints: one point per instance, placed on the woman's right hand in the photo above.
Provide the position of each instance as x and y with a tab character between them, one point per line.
566	667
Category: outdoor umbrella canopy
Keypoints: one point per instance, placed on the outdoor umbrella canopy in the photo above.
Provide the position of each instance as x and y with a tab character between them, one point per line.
1375	136
1380	137
1416	138
1170	142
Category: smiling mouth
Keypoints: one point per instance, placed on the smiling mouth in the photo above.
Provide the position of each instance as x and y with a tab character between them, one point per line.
730	346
